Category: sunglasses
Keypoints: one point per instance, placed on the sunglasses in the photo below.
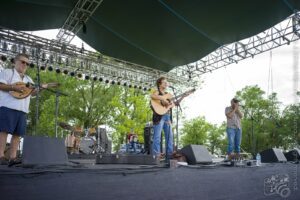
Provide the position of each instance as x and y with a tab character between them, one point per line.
24	62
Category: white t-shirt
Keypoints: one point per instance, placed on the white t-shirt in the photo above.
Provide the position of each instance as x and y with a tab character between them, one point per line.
10	76
1	68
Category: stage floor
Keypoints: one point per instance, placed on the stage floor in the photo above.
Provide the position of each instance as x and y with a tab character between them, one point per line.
82	179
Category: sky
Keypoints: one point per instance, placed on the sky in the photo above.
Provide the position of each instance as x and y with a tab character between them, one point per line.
220	86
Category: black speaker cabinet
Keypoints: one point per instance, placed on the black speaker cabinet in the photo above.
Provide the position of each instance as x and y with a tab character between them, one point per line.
272	155
38	150
148	137
196	154
293	155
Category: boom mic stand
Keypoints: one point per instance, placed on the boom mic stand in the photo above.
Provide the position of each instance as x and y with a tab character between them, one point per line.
177	117
37	85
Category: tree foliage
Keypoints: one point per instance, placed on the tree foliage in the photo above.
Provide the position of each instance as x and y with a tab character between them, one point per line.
89	104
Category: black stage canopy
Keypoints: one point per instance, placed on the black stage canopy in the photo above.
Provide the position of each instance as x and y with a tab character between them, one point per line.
159	34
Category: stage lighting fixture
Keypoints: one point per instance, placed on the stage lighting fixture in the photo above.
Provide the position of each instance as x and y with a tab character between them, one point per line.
86	77
42	67
50	68
72	73
100	79
65	71
3	58
95	78
79	75
106	81
31	65
113	82
57	70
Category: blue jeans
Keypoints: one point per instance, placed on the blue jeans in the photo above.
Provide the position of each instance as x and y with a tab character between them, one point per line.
234	136
165	123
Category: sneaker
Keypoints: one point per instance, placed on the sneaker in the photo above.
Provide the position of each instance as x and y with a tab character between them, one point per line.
15	161
3	161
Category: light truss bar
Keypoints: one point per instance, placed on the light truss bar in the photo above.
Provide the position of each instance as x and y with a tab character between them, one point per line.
283	33
67	56
78	17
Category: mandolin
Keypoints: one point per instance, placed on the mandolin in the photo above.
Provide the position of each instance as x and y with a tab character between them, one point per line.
159	109
28	89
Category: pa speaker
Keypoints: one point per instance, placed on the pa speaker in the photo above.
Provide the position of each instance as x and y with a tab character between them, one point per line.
148	135
196	154
272	155
39	150
293	155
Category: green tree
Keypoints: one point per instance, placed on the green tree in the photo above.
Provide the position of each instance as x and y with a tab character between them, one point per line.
216	135
262	121
195	131
199	131
132	112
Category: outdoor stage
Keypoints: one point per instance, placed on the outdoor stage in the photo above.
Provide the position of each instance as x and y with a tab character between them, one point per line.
82	179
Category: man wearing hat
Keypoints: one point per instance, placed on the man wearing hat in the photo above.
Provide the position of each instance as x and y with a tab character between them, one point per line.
234	129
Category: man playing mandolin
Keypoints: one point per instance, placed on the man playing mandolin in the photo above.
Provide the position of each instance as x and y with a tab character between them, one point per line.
162	104
12	110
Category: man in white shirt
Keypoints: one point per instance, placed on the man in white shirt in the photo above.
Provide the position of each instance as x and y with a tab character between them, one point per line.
13	111
1	68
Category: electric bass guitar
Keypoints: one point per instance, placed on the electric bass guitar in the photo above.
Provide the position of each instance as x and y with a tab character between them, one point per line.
28	89
160	109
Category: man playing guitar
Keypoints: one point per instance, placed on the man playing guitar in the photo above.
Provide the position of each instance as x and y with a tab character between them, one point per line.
162	104
13	111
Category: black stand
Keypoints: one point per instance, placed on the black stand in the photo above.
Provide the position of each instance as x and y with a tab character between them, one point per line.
177	118
57	95
167	159
252	134
37	85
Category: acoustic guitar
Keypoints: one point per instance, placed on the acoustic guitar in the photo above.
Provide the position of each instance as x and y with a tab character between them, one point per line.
28	89
160	109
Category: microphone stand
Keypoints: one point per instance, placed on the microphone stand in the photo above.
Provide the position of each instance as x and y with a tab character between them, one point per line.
57	95
37	85
177	117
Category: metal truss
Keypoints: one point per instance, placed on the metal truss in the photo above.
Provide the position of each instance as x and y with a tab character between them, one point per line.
283	33
74	60
77	19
